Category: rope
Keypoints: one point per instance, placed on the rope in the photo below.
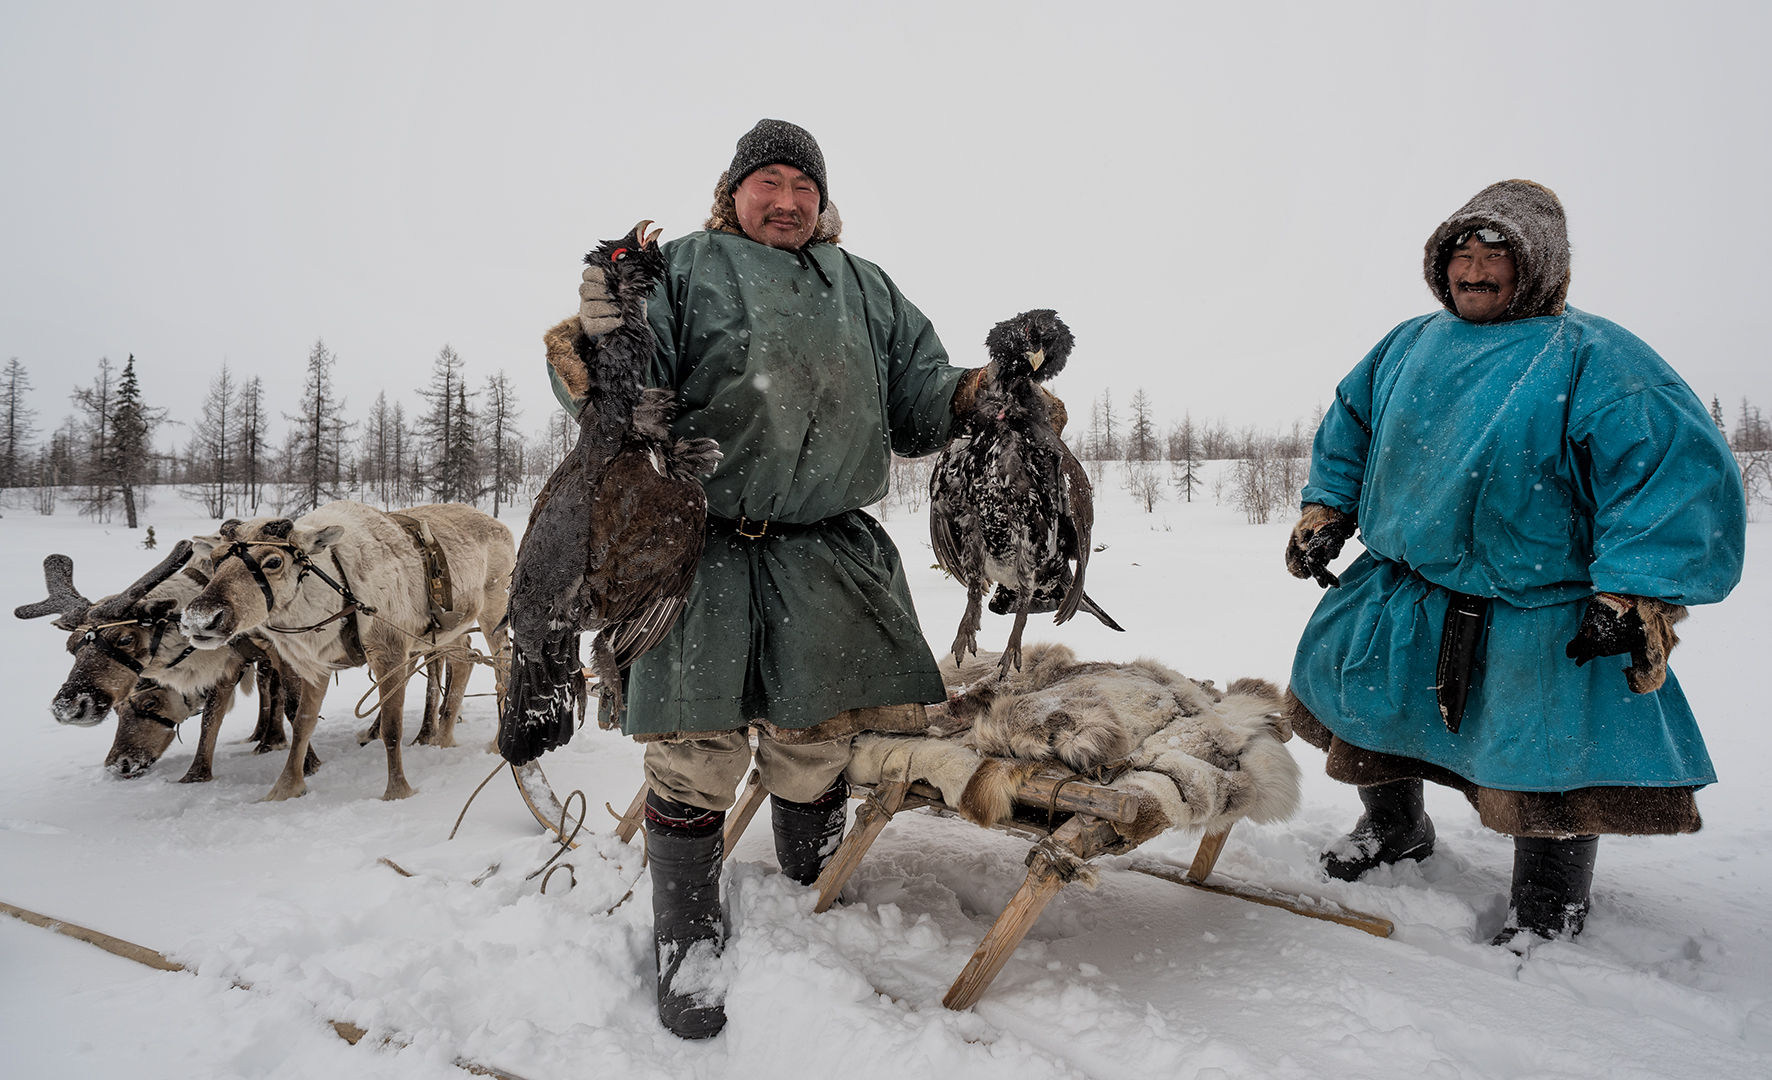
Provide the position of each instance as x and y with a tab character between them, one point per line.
471	798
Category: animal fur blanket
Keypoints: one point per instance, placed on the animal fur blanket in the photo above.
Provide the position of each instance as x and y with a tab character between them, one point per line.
1199	757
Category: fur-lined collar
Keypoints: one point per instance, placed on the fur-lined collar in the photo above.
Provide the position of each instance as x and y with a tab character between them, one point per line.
724	217
1531	217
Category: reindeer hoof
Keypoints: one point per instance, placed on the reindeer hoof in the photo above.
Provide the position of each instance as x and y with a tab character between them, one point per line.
267	746
399	789
197	777
310	764
283	790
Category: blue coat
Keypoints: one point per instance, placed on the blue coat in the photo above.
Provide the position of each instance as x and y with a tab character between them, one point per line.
1534	462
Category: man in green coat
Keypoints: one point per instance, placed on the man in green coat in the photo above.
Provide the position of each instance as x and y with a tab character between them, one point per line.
810	369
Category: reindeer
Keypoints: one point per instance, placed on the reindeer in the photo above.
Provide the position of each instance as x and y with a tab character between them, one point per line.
130	645
347	585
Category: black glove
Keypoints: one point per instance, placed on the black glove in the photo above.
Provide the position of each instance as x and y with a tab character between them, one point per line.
1609	627
1316	541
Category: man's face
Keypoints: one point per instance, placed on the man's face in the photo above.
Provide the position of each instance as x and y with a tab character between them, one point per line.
1482	279
777	205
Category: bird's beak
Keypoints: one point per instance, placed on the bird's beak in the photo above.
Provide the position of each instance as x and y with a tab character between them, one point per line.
640	234
1036	358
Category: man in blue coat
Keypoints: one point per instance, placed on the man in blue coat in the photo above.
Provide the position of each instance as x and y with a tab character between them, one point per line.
1537	492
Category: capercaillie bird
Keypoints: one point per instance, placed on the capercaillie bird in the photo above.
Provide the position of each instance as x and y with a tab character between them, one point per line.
616	534
1009	503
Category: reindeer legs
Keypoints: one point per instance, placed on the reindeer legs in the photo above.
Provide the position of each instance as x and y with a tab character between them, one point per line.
289	783
221	699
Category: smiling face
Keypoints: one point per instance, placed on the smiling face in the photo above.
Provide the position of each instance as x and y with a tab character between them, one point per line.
777	205
1481	278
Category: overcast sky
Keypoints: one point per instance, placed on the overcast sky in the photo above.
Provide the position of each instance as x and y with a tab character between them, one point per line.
1226	202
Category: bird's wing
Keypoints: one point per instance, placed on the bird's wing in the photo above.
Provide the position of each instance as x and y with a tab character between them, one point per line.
1079	514
632	638
654	531
947	500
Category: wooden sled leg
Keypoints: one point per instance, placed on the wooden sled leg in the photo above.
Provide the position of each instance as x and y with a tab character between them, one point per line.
1083	836
738	819
630	821
870	819
1207	856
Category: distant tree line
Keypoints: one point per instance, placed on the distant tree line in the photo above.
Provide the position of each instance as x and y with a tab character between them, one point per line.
244	457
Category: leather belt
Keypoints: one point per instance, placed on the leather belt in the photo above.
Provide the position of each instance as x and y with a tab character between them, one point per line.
757	530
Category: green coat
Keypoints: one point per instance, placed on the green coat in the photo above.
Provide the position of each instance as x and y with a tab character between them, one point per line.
808	388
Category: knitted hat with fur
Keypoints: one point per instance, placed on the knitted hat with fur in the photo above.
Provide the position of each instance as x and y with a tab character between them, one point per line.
777	142
1531	217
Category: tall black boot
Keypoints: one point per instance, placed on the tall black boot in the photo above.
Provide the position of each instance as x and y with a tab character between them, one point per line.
684	845
1550	889
807	833
1394	827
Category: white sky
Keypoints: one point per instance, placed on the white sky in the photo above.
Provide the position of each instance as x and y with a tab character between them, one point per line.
1227	203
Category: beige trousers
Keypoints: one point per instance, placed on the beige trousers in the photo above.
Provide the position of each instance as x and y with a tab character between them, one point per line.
707	772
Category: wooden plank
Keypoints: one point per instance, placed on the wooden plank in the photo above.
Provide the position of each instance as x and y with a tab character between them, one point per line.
870	818
1206	857
630	821
738	819
1375	925
1042	884
1106	803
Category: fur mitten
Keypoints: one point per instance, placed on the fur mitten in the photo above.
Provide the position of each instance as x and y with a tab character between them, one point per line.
561	342
1316	541
1615	624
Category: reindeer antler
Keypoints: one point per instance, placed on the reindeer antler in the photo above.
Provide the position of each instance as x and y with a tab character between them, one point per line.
64	599
121	605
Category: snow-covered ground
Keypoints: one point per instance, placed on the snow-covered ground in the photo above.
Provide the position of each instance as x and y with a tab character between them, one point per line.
1139	978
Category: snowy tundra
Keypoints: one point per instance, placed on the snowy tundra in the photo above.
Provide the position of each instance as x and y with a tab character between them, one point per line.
1139	978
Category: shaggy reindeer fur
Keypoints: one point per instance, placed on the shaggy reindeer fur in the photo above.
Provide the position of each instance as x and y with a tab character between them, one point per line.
1199	758
361	546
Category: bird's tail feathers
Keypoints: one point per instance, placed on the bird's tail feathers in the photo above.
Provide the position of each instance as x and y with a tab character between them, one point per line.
546	682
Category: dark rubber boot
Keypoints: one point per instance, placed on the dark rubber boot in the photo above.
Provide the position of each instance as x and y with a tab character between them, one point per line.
683	844
1550	889
807	833
1394	827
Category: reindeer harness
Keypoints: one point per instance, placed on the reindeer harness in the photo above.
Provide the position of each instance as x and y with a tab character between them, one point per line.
349	634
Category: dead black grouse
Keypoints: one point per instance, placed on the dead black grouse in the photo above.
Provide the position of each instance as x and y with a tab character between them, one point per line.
1009	503
618	529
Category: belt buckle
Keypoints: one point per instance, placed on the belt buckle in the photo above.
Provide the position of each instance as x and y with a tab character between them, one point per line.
762	527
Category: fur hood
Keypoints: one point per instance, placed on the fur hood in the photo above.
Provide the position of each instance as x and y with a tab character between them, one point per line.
1531	217
724	217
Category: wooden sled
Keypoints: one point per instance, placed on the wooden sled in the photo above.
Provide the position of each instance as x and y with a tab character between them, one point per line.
1086	832
1059	852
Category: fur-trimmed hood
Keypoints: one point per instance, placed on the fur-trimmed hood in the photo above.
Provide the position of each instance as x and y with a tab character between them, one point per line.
1531	217
724	217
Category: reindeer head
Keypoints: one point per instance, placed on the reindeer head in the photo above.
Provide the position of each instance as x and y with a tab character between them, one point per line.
258	569
112	641
146	723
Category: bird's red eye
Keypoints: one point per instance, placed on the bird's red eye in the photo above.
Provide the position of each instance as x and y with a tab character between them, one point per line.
615	256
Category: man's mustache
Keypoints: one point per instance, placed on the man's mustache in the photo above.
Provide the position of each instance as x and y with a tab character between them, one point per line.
1478	286
791	217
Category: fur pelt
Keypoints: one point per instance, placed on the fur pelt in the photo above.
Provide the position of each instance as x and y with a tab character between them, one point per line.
1620	811
724	217
1199	757
1531	217
1648	668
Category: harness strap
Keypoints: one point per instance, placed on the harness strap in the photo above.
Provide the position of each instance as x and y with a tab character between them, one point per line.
439	591
104	645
